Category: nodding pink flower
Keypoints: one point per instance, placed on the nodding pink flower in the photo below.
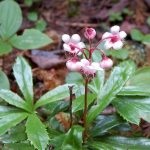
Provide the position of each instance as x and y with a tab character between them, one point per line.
106	63
73	65
114	39
88	68
90	33
72	44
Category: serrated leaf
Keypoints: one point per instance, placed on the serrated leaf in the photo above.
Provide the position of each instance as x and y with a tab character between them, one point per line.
4	82
73	139
78	103
13	99
103	124
133	109
135	90
6	110
112	87
36	132
23	74
16	134
31	39
59	93
121	143
11	120
10	18
18	146
5	48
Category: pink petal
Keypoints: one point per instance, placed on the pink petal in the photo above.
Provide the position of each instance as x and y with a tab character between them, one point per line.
115	29
118	45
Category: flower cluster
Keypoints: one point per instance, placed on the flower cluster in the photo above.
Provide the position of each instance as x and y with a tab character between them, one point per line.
81	57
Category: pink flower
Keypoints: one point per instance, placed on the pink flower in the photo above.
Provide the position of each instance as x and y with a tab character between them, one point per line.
114	39
90	33
89	68
73	65
72	44
106	63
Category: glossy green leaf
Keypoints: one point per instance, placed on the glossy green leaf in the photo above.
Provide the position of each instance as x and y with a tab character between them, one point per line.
5	48
133	109
23	74
73	139
10	18
59	93
121	143
112	87
78	103
18	146
97	83
103	124
4	82
6	110
140	78
135	90
16	134
13	99
36	132
136	35
30	39
11	120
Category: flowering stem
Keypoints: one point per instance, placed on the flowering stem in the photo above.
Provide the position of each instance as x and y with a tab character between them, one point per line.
85	110
70	104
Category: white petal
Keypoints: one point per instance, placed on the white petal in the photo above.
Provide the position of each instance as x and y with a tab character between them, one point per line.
108	44
106	35
115	29
66	38
96	66
122	34
85	62
81	45
66	47
118	45
75	38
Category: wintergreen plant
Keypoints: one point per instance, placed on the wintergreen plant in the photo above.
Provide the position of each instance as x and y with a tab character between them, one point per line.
10	22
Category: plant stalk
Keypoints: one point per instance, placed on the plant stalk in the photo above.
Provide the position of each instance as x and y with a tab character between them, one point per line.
70	105
85	111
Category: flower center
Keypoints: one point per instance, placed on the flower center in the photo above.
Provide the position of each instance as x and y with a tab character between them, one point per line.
89	31
72	46
114	39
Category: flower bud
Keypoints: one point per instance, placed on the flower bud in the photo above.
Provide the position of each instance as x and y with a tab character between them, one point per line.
106	63
90	33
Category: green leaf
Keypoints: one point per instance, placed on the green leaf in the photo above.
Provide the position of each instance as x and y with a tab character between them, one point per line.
10	18
135	90
73	139
104	123
146	39
112	87
57	94
6	110
5	48
78	103
121	143
97	83
32	16
28	2
119	54
11	120
136	35
41	25
18	146
31	39
140	78
23	74
133	109
36	132
13	99
16	134
4	81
